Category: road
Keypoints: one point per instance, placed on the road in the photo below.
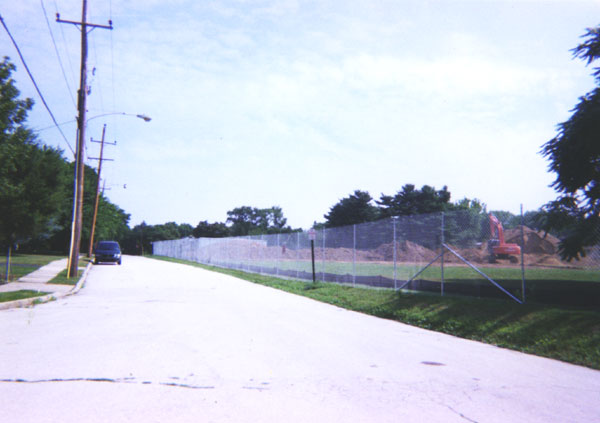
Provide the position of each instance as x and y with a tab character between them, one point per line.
151	341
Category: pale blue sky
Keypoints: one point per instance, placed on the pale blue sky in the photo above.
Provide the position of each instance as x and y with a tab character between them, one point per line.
299	103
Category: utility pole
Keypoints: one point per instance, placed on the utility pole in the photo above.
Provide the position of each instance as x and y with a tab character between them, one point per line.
100	159
79	165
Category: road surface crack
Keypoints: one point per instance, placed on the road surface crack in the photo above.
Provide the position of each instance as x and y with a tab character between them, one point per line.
460	414
130	380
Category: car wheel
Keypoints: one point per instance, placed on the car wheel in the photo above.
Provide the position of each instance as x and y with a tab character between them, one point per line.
119	262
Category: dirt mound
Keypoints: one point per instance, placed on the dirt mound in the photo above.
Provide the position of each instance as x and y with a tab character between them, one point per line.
405	251
544	260
474	255
536	242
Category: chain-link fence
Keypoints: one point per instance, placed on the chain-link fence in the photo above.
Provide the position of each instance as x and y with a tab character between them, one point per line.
449	253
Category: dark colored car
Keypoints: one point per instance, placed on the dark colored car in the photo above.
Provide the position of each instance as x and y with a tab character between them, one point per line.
107	251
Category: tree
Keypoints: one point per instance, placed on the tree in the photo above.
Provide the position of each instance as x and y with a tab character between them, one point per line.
411	201
574	156
356	208
210	230
247	220
30	172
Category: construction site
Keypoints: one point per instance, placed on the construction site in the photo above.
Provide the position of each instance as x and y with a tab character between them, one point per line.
454	254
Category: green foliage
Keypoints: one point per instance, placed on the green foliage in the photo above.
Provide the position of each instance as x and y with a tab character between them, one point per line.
411	201
139	239
247	220
36	184
30	173
210	230
356	208
574	155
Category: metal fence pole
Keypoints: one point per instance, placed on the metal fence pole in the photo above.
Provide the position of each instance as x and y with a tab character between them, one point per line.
297	255
277	251
395	262
353	255
260	254
323	256
442	255
522	256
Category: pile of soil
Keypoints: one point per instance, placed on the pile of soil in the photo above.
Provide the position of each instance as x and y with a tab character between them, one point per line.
474	255
405	251
536	242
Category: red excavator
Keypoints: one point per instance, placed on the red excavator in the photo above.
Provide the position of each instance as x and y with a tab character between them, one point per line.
499	249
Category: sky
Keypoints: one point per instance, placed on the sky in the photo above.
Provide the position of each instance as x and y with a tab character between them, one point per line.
297	104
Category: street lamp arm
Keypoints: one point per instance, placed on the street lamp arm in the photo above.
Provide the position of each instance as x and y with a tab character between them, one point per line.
143	117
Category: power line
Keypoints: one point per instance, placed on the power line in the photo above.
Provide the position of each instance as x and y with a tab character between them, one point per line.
57	54
66	46
35	84
112	60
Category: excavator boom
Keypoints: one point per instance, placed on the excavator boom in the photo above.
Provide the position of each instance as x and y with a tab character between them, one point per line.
497	247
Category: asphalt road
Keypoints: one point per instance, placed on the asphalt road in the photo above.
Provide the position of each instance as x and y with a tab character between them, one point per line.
151	341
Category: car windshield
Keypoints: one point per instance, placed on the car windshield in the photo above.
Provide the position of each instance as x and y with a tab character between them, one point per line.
108	246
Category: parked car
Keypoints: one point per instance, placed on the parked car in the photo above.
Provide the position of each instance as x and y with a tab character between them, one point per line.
107	251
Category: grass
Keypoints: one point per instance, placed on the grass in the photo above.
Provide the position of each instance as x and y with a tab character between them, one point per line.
61	278
22	264
19	295
564	333
452	272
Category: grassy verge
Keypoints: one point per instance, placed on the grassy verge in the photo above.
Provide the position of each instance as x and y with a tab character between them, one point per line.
61	278
19	295
452	272
22	264
567	334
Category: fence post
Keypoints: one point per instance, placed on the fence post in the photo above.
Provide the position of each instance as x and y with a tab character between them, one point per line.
277	251
522	256
442	257
260	254
297	255
323	256
395	265
354	255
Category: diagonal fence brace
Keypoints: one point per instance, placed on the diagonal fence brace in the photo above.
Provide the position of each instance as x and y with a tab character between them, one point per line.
464	260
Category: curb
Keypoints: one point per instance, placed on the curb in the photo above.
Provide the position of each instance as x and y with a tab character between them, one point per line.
29	302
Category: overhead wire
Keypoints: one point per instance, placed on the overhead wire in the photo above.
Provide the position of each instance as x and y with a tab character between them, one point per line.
35	84
112	61
66	44
58	55
114	126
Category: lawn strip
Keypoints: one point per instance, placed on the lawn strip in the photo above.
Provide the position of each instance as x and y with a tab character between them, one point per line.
23	264
20	295
564	333
61	278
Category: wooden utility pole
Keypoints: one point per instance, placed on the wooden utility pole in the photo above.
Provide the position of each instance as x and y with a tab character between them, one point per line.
100	160
79	165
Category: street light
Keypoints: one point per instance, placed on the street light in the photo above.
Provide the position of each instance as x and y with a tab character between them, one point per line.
76	223
143	117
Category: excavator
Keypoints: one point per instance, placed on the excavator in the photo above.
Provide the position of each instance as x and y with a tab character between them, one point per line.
499	249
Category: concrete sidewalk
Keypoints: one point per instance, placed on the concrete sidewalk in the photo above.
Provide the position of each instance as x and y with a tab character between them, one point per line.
38	281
